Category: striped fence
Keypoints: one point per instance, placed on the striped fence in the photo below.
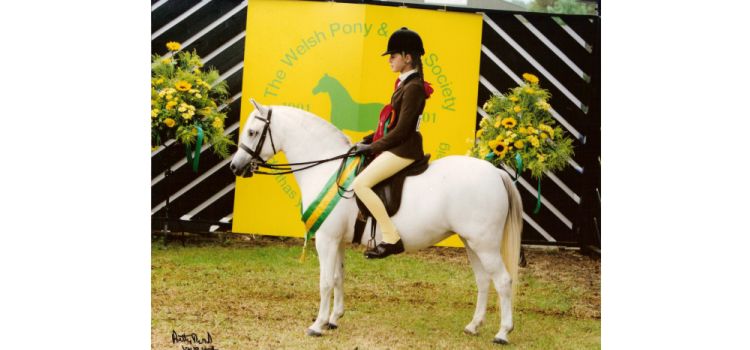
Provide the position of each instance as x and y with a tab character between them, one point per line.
562	50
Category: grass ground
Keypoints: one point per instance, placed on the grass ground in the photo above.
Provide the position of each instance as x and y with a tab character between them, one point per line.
254	294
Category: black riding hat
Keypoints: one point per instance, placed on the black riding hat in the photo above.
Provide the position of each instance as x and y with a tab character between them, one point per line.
405	40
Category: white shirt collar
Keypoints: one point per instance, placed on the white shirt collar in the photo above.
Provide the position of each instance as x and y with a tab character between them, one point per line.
404	75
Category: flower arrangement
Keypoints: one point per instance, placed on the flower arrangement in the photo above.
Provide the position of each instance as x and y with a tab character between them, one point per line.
521	131
184	102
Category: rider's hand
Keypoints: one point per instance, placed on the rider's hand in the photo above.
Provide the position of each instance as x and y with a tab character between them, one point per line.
362	148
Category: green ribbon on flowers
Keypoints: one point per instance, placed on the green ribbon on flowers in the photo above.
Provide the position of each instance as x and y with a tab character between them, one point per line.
519	166
198	144
519	169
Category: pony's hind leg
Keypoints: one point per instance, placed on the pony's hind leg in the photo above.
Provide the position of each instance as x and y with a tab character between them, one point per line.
493	264
338	289
483	287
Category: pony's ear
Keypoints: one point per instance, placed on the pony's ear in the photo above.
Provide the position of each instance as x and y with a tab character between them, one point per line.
261	109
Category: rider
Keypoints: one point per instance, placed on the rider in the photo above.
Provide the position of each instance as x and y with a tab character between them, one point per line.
397	141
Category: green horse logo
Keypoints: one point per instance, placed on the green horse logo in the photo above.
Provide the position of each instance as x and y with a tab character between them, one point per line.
346	114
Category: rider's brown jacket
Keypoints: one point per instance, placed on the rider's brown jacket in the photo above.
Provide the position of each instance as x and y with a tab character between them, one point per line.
405	140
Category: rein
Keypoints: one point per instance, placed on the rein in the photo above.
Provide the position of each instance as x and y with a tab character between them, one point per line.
281	169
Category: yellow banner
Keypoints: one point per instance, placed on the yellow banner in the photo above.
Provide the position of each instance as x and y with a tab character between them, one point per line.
317	56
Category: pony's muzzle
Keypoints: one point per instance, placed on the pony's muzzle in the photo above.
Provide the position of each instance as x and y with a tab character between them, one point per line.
246	171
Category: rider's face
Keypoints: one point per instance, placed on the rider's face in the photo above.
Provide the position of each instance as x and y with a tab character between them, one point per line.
400	63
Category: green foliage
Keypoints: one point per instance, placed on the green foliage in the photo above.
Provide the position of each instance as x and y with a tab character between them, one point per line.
520	125
183	98
570	7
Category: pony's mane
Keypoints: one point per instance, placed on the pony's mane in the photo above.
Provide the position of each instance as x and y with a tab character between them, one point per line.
317	121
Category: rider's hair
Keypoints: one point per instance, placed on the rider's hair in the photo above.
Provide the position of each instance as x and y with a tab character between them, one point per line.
416	62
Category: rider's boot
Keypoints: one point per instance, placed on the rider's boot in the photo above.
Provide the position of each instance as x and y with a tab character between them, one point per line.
384	249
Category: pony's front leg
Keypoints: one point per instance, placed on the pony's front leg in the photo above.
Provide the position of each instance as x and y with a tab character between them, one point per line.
327	249
338	289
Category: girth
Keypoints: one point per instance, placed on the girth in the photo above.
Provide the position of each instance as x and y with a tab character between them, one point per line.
390	192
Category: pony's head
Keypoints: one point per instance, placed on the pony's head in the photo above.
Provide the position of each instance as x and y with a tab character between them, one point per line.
256	144
324	84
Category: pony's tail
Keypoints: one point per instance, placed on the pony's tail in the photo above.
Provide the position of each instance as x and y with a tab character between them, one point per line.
511	245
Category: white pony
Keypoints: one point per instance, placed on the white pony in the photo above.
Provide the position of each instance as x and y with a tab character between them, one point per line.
455	194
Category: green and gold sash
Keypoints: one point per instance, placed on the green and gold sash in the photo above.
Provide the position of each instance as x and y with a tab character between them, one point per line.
326	201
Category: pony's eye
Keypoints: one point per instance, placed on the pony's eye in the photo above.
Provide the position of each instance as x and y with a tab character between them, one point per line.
252	133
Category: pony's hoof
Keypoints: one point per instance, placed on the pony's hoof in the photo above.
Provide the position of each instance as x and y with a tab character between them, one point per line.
313	333
470	332
500	341
332	326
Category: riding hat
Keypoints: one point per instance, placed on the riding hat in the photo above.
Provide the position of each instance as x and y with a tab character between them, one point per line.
404	40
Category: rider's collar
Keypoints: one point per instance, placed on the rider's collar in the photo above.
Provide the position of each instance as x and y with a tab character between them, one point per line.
405	75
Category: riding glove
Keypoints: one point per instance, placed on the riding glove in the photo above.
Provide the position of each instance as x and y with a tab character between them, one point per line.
362	148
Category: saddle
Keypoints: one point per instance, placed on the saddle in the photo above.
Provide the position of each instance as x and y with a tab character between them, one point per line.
389	191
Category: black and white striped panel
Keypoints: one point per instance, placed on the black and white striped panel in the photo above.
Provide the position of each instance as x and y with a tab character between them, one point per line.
551	48
216	31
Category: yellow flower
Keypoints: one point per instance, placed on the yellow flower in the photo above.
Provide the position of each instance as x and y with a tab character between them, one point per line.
509	122
166	61
169	97
182	85
162	93
198	96
533	140
513	98
479	133
531	130
543	105
548	129
497	123
499	146
171	104
169	122
173	46
518	144
517	109
531	78
182	107
528	90
522	130
154	113
543	136
196	70
192	91
483	122
217	123
186	116
541	157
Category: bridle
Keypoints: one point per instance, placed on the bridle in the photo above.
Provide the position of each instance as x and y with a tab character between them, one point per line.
257	162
